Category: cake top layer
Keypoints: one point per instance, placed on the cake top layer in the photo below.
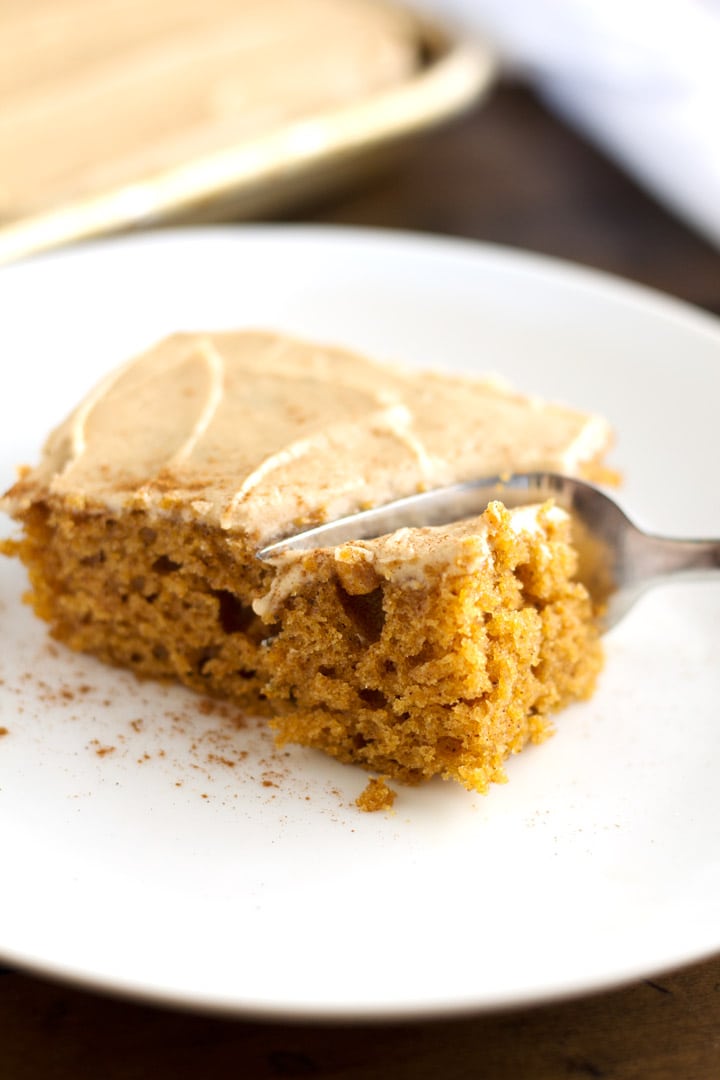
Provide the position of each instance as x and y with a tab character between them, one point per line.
262	434
411	557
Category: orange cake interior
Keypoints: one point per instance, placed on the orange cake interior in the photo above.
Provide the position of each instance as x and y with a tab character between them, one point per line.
431	651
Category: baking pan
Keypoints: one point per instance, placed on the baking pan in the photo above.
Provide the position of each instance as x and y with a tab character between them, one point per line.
78	74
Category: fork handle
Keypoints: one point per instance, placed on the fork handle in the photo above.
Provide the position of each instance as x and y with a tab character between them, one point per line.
662	557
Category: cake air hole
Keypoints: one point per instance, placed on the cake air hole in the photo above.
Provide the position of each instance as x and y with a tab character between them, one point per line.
374	698
204	656
235	617
365	612
165	565
423	657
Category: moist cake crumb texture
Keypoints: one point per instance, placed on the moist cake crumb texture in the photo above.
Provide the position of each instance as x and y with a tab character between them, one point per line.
428	652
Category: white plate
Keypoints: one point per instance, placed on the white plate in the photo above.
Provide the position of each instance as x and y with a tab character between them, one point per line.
192	863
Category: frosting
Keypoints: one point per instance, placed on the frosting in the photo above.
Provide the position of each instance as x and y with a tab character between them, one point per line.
262	434
407	556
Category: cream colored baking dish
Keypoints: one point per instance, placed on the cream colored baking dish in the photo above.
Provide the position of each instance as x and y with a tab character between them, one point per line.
135	113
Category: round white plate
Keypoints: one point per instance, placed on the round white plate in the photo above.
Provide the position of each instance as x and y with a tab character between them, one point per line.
151	846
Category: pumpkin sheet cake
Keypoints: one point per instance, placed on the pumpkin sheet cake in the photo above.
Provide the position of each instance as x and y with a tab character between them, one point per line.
430	651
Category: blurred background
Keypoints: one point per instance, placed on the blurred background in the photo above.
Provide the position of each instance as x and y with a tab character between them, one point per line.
581	128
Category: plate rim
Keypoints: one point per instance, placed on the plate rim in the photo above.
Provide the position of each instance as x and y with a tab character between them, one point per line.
590	278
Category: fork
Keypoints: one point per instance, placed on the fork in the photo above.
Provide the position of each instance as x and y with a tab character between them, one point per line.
617	560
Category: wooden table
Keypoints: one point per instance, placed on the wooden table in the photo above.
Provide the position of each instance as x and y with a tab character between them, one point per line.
512	174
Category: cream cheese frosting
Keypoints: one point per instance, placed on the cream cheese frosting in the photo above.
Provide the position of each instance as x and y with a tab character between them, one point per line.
261	434
407	556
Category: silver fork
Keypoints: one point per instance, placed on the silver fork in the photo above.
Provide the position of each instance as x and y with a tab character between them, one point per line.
618	561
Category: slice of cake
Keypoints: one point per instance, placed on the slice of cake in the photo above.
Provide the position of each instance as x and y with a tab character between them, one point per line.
429	651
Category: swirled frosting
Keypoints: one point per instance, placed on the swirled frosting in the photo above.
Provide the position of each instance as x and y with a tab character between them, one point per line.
261	434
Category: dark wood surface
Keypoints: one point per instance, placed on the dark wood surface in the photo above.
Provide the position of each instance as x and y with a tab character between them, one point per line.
507	173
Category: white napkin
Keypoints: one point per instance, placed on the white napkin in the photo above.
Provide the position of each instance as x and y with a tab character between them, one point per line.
640	77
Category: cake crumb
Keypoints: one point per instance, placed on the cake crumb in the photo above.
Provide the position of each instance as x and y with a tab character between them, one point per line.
376	796
100	750
4	731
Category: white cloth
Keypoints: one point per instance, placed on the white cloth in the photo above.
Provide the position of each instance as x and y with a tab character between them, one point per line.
640	77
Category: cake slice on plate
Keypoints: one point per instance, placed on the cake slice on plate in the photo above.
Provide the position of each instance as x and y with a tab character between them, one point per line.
428	651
